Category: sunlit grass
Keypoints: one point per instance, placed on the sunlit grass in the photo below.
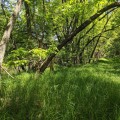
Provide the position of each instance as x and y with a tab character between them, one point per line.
89	92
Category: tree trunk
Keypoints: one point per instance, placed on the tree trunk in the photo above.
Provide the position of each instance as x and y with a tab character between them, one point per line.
28	18
77	30
46	62
91	56
8	31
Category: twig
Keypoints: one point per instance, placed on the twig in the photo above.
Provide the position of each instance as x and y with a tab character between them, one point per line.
7	72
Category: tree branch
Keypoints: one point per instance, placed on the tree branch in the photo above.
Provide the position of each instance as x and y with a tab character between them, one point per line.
74	33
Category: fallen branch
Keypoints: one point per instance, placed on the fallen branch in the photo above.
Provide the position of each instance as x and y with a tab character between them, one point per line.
7	72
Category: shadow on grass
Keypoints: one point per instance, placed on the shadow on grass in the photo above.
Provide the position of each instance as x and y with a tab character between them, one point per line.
22	101
64	95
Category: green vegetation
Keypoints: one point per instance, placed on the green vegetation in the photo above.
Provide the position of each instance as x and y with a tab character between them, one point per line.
88	92
78	31
59	59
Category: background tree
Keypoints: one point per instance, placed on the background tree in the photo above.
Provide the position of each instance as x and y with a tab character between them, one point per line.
75	28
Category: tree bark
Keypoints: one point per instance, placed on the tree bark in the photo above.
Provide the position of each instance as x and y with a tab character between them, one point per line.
8	31
74	33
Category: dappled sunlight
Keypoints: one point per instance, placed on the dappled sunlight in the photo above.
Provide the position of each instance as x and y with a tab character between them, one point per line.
60	60
70	93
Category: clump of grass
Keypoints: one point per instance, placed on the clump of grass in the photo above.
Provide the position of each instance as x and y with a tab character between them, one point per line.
90	92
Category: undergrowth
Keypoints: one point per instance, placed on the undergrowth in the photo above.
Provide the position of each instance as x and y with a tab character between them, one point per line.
89	92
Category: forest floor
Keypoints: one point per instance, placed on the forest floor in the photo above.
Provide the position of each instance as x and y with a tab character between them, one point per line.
88	92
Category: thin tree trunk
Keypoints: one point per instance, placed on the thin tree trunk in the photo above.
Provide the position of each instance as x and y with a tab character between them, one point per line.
8	31
89	41
74	33
28	18
91	56
2	6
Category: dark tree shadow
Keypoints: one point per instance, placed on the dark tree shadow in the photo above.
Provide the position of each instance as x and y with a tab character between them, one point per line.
68	94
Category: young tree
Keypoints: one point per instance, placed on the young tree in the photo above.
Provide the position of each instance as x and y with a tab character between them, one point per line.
8	30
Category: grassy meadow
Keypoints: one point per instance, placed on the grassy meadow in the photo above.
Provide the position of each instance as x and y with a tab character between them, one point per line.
87	92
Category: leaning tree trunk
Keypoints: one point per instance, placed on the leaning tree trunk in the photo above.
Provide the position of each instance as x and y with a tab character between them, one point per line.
76	31
8	30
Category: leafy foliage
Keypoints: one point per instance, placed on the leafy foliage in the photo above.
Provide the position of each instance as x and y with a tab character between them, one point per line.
48	29
22	57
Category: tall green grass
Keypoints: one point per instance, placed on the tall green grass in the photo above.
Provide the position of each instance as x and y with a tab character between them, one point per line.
89	92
